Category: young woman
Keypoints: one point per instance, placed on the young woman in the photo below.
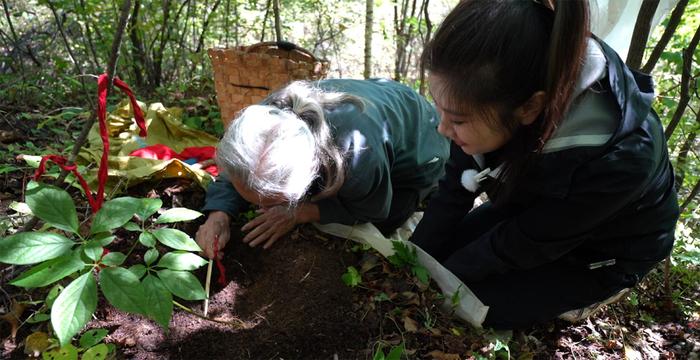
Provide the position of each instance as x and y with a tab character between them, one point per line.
340	151
560	134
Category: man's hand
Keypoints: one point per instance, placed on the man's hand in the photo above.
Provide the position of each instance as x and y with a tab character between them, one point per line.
271	224
218	224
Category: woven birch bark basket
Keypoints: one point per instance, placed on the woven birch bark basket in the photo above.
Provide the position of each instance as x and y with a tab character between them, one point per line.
245	75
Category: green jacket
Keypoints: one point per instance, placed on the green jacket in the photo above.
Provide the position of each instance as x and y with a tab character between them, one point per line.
392	144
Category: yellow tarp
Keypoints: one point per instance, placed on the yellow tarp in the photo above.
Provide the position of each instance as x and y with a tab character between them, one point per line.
164	127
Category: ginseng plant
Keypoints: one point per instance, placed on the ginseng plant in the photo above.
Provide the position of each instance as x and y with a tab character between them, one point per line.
64	253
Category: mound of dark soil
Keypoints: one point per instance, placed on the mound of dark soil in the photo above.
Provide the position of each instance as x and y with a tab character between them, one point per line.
287	302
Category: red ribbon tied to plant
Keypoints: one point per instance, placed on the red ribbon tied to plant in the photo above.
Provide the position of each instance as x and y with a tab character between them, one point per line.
102	86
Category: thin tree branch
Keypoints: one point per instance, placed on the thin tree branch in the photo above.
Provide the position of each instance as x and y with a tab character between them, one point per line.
264	23
205	26
673	22
685	84
640	35
88	32
693	193
15	38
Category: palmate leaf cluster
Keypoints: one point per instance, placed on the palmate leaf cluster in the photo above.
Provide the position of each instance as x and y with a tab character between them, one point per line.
63	252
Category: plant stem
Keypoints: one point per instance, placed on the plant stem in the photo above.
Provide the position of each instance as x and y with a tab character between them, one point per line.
236	323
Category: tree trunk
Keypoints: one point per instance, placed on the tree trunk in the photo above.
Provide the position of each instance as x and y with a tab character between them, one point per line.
157	73
138	55
404	35
640	35
226	23
369	21
673	22
685	84
264	23
278	22
182	48
426	39
205	26
168	36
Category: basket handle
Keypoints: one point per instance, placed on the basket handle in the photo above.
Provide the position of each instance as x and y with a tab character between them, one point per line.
284	45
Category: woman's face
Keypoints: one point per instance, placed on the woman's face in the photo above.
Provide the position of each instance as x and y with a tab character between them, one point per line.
471	131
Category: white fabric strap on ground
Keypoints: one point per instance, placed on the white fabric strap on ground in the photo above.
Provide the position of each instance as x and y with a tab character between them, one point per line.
469	308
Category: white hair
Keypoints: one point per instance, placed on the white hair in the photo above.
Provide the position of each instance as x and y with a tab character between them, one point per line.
281	148
271	151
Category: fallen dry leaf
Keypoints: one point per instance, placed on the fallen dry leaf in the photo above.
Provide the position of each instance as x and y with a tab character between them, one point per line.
439	355
409	324
12	317
36	343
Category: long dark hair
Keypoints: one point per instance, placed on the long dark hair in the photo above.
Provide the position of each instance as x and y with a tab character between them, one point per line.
498	53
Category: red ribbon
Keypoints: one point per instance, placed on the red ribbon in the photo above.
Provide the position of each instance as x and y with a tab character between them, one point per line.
61	162
102	84
219	265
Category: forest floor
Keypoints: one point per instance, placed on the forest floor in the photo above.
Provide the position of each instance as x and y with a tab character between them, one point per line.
289	302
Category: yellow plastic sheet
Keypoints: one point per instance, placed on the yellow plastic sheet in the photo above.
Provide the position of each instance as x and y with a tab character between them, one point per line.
164	127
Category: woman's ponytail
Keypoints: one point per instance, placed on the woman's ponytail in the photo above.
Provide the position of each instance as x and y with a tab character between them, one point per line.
309	104
567	48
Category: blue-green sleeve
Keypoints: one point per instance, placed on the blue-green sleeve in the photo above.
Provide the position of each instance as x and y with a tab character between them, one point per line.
222	196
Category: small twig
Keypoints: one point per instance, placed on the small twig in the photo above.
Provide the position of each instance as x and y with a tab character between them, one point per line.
237	323
313	262
206	287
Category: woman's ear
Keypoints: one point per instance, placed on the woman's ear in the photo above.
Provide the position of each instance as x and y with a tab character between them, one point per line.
528	112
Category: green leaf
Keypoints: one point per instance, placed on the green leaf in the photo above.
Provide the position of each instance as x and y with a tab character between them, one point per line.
113	259
138	270
38	317
104	238
176	239
181	261
183	284
49	271
97	352
53	205
178	214
93	250
148	207
379	354
421	273
396	352
150	256
66	352
123	290
115	213
92	337
159	300
132	226
147	239
352	277
74	307
32	247
53	295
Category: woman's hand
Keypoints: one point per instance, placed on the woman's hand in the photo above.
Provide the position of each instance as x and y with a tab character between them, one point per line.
271	224
218	224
